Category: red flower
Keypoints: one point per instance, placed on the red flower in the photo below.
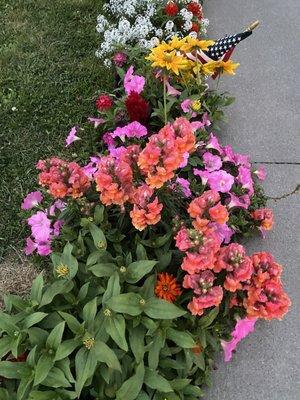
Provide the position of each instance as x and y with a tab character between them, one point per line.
104	102
171	9
195	27
167	287
137	108
196	9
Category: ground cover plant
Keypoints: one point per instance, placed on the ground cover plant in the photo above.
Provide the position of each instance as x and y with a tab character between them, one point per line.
143	228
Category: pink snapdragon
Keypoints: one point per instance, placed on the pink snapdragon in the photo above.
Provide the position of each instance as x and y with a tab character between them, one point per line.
133	83
32	200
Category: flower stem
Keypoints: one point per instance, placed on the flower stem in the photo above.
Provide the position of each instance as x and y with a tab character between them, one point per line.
165	101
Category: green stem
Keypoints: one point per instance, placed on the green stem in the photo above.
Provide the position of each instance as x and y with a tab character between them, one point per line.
165	101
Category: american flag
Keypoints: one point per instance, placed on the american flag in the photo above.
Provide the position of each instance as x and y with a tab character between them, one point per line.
223	48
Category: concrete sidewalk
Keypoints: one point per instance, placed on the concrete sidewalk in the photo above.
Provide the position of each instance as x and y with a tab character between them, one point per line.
264	122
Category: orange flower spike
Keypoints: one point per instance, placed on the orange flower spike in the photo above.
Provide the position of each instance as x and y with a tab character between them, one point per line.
167	287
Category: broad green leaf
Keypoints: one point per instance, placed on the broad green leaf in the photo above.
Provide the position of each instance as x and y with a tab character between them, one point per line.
64	365
85	365
33	319
99	214
98	237
47	395
55	336
115	327
83	292
89	312
103	269
160	309
66	348
143	396
193	391
69	260
127	303
24	387
58	287
182	339
56	379
5	345
138	269
147	290
7	324
103	353
137	342
37	336
154	352
12	370
155	381
141	253
73	324
4	395
37	288
44	364
132	387
113	288
179	384
199	361
208	319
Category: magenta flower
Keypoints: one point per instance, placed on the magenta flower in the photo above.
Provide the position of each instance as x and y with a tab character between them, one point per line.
119	59
72	136
241	159
57	227
184	163
40	226
228	154
133	83
205	120
132	130
213	143
185	186
204	175
171	90
186	107
43	249
96	121
242	201
245	179
220	181
211	162
260	173
117	152
242	329
223	231
32	200
57	205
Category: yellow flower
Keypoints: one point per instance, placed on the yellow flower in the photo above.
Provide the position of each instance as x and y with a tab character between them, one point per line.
89	343
222	67
191	43
199	68
162	57
176	43
196	105
62	271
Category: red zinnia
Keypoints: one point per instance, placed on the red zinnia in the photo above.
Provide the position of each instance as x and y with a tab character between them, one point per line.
171	9
104	102
196	9
137	108
195	27
167	287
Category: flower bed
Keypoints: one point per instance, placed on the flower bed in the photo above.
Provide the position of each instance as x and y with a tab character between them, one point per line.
150	280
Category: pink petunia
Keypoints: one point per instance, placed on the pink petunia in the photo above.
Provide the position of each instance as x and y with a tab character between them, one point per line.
204	175
133	83
245	179
241	201
220	181
32	200
57	205
132	130
171	90
186	107
223	231
211	162
96	121
213	143
260	173
57	227
72	136
40	226
185	186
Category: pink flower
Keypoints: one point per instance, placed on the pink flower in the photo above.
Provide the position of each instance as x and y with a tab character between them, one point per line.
133	83
204	175
132	130
223	231
260	173
108	139
243	160
241	201
57	227
185	186
245	179
32	200
183	242
228	154
205	120
96	121
220	181
186	107
57	205
200	283
171	90
213	143
211	162
212	297
119	59
40	226
241	331
72	136
43	249
185	161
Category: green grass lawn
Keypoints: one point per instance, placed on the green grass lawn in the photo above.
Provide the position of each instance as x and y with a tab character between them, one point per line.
48	78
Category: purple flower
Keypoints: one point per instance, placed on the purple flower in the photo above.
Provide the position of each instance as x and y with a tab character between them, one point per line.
43	249
171	90
40	226
213	143
186	107
185	186
132	130
223	231
30	246
96	121
72	136
57	227
220	181
57	205
32	200
117	152
108	139
242	329
184	163
204	175
90	169
205	120
260	173
133	83
242	201
241	159
228	154
195	125
245	179
211	162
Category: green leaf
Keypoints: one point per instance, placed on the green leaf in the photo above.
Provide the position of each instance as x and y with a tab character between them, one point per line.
154	352
37	288
44	364
55	336
127	303
199	361
182	339
115	327
73	324
85	365
132	387
66	348
141	253
89	312
103	269
113	288
157	382
179	384
7	324
143	396
33	319
160	309
137	343
56	379
193	391
58	287
104	354
208	319
12	370
5	345
83	291
138	269
98	237
99	214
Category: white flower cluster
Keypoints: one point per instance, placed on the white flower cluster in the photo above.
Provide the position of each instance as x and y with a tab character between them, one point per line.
131	22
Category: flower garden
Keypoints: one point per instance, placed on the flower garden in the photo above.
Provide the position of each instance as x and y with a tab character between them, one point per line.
145	232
